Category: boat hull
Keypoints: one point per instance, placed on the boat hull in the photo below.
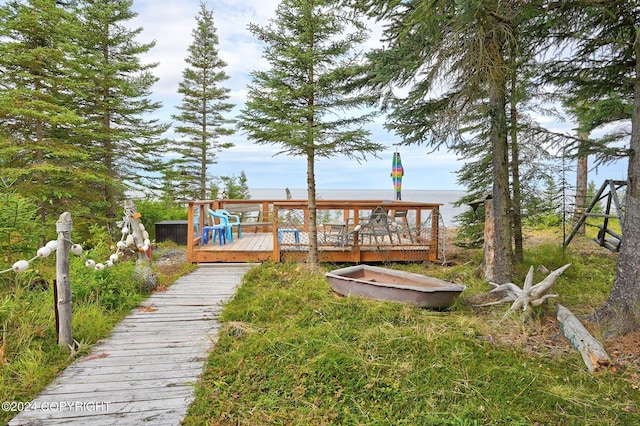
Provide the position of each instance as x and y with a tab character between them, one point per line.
387	284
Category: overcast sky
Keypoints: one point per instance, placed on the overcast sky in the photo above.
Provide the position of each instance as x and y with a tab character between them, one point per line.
170	23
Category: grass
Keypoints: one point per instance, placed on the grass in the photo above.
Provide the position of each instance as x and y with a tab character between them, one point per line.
29	355
292	352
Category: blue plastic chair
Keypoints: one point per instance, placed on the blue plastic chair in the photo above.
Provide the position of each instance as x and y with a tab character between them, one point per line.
224	221
233	220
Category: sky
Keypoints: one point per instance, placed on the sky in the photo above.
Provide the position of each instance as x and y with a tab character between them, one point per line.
170	23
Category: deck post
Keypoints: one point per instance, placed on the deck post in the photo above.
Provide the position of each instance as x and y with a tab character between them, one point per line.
190	229
276	243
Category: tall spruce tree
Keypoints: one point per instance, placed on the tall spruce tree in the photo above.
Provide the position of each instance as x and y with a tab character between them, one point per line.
604	36
457	59
123	144
37	117
204	103
302	103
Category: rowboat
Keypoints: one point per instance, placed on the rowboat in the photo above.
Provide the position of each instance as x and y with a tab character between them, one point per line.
378	283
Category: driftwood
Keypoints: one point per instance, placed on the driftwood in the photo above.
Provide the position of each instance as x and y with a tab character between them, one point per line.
593	354
143	270
529	294
63	282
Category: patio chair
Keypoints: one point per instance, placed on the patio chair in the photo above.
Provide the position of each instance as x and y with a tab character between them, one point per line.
377	225
402	226
220	219
233	220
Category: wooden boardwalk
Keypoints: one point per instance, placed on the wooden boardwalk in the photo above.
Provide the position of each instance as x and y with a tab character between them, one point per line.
145	372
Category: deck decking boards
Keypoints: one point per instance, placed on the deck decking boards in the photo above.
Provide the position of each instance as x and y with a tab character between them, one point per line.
146	369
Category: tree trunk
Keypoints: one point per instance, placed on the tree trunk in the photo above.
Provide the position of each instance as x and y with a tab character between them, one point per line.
515	176
502	267
620	313
311	190
581	184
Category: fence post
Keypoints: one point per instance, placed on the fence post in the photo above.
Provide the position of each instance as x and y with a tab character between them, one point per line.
63	283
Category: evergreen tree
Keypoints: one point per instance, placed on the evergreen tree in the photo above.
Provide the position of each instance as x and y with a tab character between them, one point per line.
37	116
458	59
302	103
604	37
204	104
122	144
236	186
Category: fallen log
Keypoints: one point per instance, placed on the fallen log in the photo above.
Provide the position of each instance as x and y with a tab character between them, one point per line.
593	354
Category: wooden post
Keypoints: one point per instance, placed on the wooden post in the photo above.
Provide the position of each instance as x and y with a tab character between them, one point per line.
593	354
63	283
489	248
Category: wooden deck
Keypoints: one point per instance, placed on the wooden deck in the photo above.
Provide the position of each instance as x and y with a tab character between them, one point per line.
145	372
283	218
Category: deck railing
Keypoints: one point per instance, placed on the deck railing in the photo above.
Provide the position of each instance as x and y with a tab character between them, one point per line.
344	227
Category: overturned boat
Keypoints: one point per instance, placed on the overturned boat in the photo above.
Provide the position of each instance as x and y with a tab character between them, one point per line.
387	284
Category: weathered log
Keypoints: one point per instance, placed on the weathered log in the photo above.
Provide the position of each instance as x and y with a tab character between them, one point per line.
593	354
64	225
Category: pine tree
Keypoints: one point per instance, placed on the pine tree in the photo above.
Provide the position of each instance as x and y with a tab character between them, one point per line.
236	186
302	103
204	104
37	115
458	59
604	37
123	144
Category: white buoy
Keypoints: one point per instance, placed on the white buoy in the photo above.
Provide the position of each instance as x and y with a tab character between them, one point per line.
114	258
53	245
20	266
43	252
90	263
99	267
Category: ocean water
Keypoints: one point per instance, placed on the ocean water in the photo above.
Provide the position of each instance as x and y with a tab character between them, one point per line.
444	197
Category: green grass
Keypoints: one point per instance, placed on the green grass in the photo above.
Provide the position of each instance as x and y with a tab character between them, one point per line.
29	355
291	352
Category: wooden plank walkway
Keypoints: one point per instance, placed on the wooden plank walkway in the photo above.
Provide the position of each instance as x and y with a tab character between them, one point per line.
145	372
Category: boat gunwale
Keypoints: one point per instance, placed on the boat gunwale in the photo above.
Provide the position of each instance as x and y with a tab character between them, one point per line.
447	286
